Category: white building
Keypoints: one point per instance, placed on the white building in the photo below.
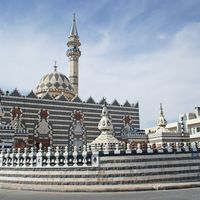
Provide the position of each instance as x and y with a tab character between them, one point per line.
165	133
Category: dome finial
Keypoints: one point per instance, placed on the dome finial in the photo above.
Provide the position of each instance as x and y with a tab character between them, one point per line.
161	109
74	17
55	66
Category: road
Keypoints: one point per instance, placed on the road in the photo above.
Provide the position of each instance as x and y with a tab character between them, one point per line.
182	194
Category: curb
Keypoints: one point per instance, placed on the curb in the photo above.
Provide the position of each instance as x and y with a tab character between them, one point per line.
102	188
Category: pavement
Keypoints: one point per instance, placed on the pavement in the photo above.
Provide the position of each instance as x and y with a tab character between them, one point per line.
180	194
100	188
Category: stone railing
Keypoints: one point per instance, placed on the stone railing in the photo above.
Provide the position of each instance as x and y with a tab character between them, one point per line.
148	149
88	157
49	159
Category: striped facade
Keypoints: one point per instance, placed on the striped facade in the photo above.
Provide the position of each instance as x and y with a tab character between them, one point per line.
60	114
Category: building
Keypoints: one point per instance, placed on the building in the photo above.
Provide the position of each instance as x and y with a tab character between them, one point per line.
53	114
188	122
165	133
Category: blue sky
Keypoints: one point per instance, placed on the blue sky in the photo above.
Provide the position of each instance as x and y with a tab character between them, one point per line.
140	50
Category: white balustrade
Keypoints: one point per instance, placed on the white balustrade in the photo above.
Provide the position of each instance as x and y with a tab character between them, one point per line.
64	158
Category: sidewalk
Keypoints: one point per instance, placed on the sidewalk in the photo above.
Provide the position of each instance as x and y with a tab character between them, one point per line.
100	188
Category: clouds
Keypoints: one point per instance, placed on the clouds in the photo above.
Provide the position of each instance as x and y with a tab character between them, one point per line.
138	50
169	75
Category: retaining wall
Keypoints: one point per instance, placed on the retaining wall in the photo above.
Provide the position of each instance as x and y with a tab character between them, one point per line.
114	173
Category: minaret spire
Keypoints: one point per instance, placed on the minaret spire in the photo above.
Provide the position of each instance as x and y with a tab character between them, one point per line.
73	53
162	122
55	66
74	31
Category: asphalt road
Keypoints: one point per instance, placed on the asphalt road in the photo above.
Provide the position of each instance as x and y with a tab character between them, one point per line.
182	194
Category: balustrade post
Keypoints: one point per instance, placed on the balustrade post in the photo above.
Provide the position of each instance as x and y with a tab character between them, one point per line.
128	149
39	156
185	147
48	155
106	149
169	148
139	150
31	155
12	156
160	149
75	154
84	154
117	151
65	154
7	156
2	157
25	156
198	145
95	158
178	149
57	156
149	149
18	157
193	145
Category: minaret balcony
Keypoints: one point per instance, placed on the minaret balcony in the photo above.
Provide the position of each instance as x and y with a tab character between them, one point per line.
73	42
73	52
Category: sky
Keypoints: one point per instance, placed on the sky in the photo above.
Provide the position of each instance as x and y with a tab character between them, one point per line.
135	50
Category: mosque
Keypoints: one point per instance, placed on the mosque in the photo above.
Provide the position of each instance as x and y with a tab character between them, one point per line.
53	114
52	140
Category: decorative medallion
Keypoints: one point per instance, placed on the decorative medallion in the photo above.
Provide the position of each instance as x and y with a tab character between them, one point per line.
126	119
16	112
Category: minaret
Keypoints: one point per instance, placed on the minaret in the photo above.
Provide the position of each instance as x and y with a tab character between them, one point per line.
73	53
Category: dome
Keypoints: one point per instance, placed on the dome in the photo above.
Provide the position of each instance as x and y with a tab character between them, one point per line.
55	84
